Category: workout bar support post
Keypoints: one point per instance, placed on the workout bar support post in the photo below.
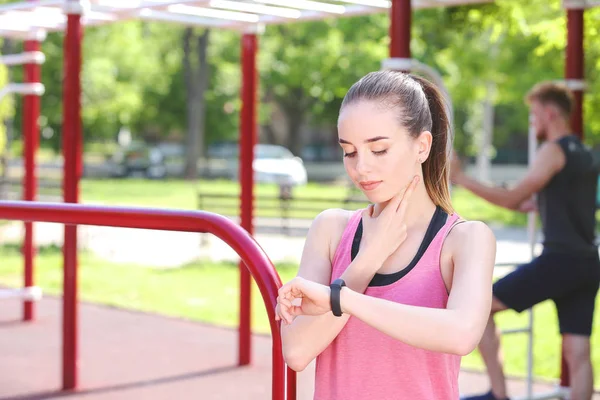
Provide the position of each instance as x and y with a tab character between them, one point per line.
72	148
253	256
248	139
32	58
574	76
574	61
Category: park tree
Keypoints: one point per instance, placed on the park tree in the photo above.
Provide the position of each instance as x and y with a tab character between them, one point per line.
487	54
306	68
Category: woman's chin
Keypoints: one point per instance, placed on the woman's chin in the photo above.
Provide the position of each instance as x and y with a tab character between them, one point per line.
377	194
376	197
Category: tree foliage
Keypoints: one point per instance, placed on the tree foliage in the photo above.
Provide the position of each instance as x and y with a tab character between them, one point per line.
133	74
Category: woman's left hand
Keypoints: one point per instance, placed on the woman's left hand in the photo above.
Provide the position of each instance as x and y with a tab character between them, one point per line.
314	299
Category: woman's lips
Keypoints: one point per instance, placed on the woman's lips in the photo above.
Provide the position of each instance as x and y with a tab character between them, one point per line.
370	185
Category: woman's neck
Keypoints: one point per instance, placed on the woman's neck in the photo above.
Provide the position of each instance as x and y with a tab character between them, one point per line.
420	206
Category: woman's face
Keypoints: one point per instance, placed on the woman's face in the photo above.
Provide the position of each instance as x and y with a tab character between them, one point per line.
380	156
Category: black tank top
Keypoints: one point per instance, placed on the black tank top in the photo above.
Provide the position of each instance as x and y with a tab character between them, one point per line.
567	205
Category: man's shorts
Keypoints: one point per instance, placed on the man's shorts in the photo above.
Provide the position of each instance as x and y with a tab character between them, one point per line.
571	280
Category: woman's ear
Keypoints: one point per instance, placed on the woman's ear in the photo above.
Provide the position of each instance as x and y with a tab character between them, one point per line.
424	145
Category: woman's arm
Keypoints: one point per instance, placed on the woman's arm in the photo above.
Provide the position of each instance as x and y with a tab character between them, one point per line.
456	329
309	335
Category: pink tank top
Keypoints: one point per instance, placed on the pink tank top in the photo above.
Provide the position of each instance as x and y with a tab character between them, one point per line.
363	363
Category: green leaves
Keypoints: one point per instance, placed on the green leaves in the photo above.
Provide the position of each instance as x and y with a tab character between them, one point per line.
6	106
133	73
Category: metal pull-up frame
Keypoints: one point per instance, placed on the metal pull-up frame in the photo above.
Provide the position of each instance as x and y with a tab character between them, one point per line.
32	89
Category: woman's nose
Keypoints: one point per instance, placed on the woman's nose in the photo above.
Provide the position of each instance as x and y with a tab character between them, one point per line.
363	165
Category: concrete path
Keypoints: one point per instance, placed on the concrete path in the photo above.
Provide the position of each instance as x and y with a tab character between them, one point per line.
171	249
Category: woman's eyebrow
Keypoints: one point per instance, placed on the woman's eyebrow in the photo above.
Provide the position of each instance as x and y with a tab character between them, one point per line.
370	140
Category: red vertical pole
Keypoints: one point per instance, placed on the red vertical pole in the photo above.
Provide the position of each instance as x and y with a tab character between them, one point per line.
31	114
574	66
291	384
72	163
574	72
400	25
247	141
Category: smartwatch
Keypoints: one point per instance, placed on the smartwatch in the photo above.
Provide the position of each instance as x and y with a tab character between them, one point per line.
336	287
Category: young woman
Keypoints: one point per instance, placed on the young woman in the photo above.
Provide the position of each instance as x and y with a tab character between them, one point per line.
389	298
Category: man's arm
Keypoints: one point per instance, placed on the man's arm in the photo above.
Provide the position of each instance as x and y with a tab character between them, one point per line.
548	161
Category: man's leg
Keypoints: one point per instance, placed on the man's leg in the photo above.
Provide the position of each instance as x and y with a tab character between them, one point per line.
491	352
576	318
577	354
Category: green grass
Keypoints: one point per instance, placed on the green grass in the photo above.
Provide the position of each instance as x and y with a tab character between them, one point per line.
183	195
208	292
202	291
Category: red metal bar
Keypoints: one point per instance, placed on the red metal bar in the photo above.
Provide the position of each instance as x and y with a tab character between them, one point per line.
31	114
400	25
291	384
574	64
574	70
247	141
238	239
72	166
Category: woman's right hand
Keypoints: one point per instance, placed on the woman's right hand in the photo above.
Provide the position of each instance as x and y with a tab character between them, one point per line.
383	234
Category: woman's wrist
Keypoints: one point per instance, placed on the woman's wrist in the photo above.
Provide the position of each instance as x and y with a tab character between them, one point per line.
346	297
370	258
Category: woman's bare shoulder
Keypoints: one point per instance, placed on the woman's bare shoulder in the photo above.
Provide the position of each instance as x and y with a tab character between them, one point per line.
321	243
332	221
467	230
330	225
468	236
469	247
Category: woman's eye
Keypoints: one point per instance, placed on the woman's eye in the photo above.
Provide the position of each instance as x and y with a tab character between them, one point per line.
377	153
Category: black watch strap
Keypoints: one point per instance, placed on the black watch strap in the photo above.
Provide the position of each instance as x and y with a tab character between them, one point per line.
336	287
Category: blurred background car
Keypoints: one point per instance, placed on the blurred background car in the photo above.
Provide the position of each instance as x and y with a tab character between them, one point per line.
272	163
138	159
